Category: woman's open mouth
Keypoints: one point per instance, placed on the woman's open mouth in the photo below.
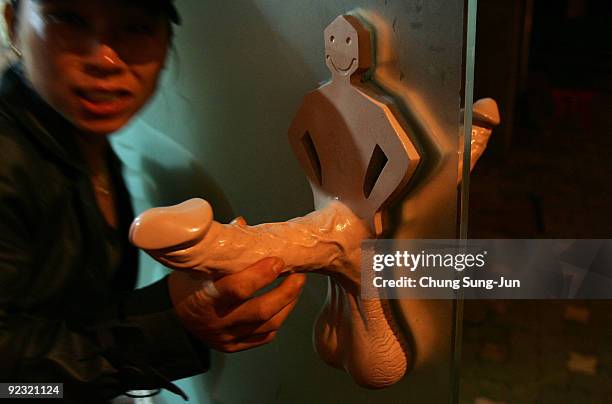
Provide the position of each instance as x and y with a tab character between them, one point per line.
104	102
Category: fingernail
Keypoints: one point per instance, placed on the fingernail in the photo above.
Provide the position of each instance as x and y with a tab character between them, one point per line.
278	266
239	221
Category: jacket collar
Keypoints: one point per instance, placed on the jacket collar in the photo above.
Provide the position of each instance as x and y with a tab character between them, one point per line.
45	126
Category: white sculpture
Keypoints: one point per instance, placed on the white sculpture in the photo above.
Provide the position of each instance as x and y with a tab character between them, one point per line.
354	146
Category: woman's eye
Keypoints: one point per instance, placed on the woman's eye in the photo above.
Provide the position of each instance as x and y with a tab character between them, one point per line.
66	18
140	29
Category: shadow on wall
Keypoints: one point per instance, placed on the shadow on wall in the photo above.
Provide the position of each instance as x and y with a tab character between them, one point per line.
166	175
231	105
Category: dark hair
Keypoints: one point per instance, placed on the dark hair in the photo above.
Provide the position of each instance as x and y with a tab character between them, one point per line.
166	6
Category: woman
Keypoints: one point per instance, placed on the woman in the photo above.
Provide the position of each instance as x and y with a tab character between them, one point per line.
68	311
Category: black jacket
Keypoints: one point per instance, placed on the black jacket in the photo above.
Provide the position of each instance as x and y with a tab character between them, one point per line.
66	313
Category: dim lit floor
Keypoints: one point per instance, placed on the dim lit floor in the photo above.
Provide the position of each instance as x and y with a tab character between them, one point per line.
537	352
554	183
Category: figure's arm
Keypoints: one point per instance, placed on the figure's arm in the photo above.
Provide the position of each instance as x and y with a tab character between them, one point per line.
302	137
392	163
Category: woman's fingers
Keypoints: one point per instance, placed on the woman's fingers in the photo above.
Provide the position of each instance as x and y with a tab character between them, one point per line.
261	309
252	341
224	313
236	288
239	221
273	324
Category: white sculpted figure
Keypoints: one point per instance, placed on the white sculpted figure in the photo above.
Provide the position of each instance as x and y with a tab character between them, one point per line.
358	157
353	146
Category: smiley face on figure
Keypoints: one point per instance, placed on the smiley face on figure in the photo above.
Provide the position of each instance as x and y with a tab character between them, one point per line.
347	47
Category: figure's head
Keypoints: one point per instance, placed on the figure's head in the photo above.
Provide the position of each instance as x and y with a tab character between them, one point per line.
97	62
347	46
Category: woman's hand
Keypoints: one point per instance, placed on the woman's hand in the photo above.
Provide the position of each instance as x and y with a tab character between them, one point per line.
225	314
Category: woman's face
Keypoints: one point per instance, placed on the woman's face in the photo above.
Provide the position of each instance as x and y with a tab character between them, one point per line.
97	62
